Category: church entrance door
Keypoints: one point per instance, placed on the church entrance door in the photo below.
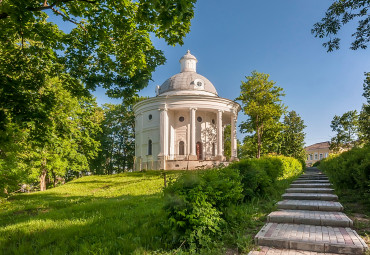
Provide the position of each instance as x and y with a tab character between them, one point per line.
199	151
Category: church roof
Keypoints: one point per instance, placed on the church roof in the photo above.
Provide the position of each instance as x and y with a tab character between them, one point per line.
188	81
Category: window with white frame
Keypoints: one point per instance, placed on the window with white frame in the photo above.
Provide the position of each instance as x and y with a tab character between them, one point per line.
310	156
316	156
321	155
326	155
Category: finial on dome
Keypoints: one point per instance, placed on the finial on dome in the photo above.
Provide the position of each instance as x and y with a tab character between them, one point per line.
188	63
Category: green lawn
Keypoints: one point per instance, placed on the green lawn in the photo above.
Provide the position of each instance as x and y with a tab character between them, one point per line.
115	214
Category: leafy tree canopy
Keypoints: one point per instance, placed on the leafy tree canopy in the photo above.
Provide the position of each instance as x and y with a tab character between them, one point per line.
340	13
346	128
261	101
293	136
110	44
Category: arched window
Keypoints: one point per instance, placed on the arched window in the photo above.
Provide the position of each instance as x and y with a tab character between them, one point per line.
181	148
150	145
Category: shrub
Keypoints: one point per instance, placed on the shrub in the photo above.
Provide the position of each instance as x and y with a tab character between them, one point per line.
195	203
258	175
351	169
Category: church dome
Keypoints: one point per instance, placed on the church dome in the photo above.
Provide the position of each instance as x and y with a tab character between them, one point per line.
188	81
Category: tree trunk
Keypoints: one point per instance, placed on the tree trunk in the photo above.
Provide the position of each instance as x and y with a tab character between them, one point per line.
55	180
43	175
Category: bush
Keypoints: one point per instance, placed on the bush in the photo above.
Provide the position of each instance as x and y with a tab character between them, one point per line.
258	175
351	169
195	203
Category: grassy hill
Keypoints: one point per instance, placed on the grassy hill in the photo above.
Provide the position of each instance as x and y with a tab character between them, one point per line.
115	214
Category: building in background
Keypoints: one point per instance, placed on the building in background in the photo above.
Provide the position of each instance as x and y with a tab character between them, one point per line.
316	152
183	126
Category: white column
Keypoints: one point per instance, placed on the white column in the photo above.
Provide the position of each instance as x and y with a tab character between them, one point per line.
219	134
234	153
163	137
192	132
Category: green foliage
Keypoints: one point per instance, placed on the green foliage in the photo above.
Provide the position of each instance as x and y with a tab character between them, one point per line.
109	44
346	128
260	100
350	169
195	203
364	117
227	142
117	140
58	139
293	136
200	205
340	13
259	175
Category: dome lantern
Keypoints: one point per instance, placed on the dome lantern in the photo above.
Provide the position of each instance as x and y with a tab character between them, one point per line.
188	63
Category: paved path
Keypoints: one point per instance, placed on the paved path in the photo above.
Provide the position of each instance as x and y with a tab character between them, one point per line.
309	221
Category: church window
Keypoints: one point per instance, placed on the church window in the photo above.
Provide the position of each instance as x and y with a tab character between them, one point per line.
181	148
181	119
321	156
316	156
150	147
199	119
213	121
150	116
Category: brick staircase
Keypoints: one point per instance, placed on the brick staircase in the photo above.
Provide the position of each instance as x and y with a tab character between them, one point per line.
309	221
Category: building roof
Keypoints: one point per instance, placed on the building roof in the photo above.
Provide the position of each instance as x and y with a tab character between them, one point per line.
322	145
188	81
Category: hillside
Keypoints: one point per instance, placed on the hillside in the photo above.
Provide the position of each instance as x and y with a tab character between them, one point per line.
92	215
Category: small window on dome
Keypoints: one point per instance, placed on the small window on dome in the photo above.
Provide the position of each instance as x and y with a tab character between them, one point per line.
150	116
181	119
199	84
199	119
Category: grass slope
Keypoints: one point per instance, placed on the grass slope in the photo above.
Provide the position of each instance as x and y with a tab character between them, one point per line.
116	214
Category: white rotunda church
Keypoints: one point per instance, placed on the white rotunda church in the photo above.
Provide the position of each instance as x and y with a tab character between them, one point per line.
182	127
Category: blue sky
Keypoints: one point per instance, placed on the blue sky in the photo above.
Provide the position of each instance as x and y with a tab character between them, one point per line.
232	38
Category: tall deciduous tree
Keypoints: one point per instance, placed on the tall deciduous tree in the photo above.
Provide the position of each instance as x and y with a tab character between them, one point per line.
261	102
364	117
117	140
346	128
340	13
293	136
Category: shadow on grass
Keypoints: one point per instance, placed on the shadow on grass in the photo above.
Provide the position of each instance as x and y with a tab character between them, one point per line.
121	224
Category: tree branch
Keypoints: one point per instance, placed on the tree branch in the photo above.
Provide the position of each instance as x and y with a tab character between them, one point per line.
67	18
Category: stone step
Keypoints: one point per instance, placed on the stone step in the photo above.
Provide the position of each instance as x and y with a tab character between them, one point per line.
311	205
318	218
310	190
311	238
310	196
310	185
310	181
264	250
313	178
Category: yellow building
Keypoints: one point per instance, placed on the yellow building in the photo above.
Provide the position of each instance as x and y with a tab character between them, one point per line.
316	152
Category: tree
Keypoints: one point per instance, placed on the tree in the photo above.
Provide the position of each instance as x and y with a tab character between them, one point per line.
293	136
364	117
346	128
110	42
60	139
340	13
117	140
260	100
